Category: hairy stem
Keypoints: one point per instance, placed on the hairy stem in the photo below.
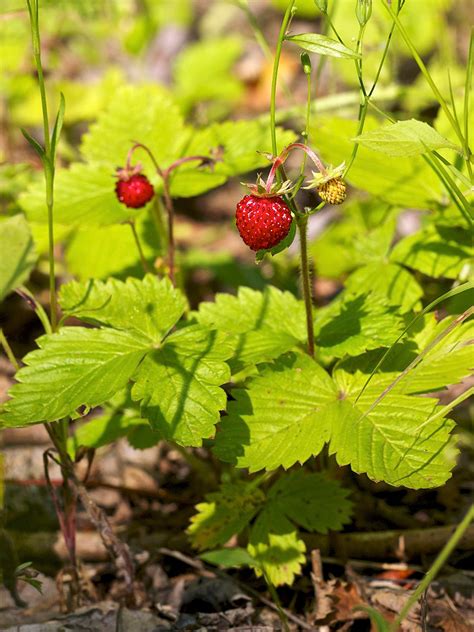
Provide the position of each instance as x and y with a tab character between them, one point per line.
48	163
302	223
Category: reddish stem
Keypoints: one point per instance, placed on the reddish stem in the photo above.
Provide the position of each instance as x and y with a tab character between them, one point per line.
280	159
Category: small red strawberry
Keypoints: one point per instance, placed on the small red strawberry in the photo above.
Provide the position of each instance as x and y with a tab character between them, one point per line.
262	221
133	187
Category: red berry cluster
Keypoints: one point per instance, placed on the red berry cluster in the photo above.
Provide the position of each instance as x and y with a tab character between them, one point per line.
262	221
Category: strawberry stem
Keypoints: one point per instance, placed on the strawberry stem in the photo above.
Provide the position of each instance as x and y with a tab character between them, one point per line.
280	159
302	223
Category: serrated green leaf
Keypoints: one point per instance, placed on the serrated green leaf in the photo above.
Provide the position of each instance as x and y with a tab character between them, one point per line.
388	280
83	195
390	441
149	307
179	384
144	113
243	145
437	251
276	548
353	324
311	501
224	514
73	368
18	253
283	417
404	138
322	45
267	323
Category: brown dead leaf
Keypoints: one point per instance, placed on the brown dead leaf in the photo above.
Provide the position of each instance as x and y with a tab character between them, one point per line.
445	617
336	601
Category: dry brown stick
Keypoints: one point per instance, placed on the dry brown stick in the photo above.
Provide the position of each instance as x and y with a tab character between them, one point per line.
386	544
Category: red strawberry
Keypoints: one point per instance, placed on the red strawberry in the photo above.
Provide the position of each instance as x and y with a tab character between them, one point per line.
133	189
262	221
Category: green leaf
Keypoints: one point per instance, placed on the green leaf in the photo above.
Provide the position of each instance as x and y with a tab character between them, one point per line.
352	324
179	384
311	501
149	307
58	124
449	361
18	253
243	144
228	558
83	195
73	368
224	514
404	138
391	282
406	181
38	148
103	251
276	548
267	323
390	440
283	417
437	251
322	45
144	113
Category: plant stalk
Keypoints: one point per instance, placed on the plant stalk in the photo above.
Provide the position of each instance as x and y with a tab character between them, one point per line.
144	262
276	64
302	223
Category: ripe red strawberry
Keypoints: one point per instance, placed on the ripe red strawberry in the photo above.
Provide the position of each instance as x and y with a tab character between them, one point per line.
262	221
133	189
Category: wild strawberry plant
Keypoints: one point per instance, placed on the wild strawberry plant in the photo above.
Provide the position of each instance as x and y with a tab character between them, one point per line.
262	378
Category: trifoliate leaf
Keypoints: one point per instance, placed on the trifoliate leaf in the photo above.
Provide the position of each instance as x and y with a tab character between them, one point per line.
149	307
267	323
225	514
276	548
73	368
283	417
179	384
18	253
437	251
394	284
311	501
352	324
404	138
390	440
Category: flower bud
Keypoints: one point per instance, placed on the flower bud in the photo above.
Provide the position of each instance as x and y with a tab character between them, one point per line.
363	11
